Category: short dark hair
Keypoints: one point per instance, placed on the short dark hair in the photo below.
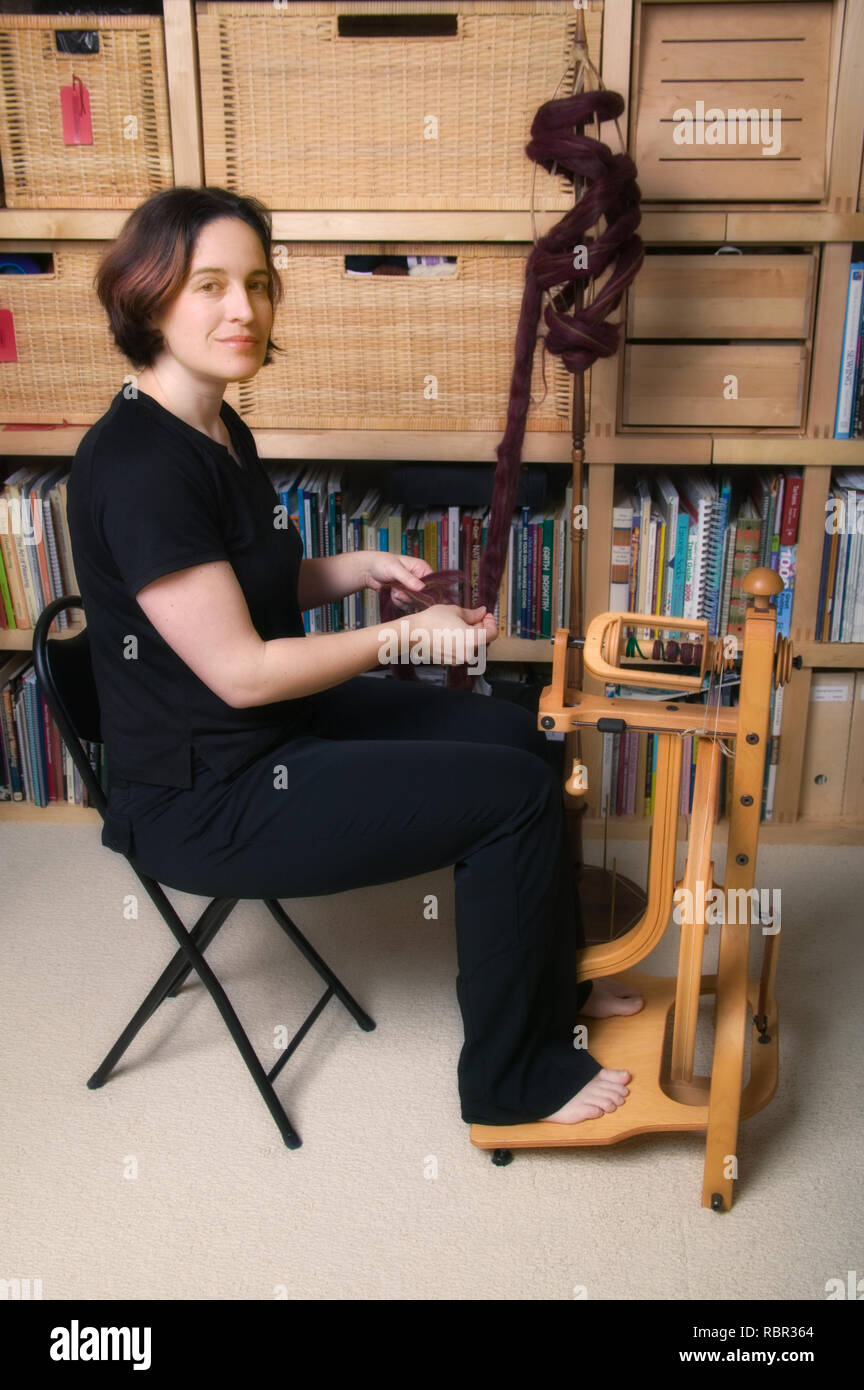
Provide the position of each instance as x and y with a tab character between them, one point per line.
147	265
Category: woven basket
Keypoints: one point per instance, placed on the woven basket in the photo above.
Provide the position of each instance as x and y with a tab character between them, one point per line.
399	352
130	157
360	352
305	118
68	366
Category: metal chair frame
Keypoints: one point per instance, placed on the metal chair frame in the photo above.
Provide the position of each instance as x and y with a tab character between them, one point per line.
65	674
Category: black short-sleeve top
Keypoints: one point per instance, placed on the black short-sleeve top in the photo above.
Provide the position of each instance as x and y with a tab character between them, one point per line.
148	494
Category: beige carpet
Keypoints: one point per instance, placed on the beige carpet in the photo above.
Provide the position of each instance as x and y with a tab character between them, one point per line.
172	1181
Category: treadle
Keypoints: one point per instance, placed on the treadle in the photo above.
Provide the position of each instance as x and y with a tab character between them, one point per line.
635	1042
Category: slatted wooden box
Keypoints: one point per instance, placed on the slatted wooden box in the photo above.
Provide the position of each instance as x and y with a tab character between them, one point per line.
68	367
400	352
719	62
305	110
757	308
684	384
122	87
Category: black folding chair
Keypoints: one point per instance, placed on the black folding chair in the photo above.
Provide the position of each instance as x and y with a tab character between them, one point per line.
65	674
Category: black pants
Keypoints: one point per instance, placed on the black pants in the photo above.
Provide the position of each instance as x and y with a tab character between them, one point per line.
395	779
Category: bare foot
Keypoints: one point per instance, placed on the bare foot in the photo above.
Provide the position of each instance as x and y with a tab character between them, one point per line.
610	996
604	1092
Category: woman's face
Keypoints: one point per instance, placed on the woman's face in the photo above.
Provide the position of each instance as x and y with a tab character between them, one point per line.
225	297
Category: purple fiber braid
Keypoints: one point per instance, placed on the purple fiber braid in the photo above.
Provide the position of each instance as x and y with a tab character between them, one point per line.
578	338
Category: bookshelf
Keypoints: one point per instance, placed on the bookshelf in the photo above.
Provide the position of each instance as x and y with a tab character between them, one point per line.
823	229
829	228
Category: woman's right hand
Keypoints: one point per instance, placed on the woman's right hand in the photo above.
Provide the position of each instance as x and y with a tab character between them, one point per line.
448	626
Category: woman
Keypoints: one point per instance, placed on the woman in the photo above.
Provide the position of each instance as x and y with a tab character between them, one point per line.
248	759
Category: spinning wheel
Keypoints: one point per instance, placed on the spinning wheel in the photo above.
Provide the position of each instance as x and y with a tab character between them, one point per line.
673	1097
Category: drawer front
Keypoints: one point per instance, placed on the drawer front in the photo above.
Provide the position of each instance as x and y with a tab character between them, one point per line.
312	113
722	297
123	75
692	384
401	352
66	366
718	62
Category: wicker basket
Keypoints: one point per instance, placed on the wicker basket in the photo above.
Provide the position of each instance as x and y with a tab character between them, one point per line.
304	117
127	97
68	368
360	352
399	352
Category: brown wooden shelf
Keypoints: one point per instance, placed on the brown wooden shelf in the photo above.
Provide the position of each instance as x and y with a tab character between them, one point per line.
837	656
380	446
661	224
682	450
57	813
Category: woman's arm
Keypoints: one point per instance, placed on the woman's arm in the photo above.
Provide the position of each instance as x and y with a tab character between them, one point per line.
331	577
201	612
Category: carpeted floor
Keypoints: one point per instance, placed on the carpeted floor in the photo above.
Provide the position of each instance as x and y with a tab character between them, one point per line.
172	1181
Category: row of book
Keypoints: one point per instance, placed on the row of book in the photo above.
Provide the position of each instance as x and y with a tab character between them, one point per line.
533	596
832	779
754	522
629	767
840	606
683	546
36	562
849	415
36	565
35	764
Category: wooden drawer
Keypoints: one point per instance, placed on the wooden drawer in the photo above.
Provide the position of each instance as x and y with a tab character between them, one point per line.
684	384
729	59
724	296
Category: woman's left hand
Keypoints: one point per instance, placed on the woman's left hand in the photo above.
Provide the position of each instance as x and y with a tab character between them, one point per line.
407	571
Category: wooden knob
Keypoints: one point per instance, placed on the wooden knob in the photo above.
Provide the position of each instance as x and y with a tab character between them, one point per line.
762	582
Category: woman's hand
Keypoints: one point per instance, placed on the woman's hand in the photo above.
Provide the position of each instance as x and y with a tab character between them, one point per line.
448	625
383	567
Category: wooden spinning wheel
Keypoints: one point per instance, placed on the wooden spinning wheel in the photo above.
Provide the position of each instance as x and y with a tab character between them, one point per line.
672	1097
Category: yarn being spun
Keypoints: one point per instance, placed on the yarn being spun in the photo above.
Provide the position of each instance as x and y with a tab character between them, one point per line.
579	338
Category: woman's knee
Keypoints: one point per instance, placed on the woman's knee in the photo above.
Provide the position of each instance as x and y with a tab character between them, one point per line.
519	724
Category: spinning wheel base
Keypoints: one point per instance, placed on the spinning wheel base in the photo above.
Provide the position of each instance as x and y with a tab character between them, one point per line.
655	1103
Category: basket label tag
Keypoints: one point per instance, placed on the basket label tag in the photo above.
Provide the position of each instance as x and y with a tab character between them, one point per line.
75	110
8	346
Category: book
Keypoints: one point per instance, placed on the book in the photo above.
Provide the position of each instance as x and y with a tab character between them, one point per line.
622	528
849	352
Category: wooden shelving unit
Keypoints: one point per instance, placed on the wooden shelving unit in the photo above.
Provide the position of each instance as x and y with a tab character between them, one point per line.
830	226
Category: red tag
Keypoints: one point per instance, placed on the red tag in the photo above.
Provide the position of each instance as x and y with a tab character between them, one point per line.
75	108
8	348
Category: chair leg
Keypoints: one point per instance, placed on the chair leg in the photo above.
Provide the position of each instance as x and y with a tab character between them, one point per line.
168	983
293	931
205	929
223	1004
